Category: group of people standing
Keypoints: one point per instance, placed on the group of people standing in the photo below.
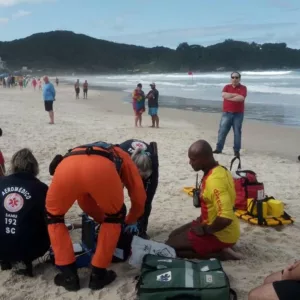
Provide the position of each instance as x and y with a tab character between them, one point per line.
85	87
12	81
36	83
138	102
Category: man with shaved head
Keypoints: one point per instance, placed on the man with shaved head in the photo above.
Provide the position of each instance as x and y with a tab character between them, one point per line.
217	229
49	97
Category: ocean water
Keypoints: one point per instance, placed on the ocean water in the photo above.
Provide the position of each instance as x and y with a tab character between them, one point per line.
273	96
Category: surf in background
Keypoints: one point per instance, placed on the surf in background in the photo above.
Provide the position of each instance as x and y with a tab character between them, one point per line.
273	96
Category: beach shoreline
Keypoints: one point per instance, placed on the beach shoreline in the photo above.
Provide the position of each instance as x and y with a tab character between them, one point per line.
277	114
258	130
269	150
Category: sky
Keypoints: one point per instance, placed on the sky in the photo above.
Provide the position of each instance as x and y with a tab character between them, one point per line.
156	22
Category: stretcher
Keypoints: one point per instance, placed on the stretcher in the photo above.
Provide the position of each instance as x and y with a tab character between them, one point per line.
285	219
268	221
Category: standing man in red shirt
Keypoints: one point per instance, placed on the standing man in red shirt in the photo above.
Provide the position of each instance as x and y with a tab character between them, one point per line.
234	96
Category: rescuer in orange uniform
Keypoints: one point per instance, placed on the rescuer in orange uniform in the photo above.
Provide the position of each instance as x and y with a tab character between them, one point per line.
93	175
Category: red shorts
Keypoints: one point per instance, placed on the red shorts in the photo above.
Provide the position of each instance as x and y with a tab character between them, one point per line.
206	244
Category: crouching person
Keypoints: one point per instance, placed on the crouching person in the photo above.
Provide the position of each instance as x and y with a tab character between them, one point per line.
23	230
93	175
218	229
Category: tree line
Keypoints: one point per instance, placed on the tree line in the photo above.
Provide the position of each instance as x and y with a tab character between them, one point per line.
65	50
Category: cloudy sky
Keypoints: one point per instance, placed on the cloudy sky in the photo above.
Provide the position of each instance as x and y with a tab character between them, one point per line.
156	22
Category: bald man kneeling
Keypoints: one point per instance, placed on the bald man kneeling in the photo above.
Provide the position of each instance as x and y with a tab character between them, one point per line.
217	229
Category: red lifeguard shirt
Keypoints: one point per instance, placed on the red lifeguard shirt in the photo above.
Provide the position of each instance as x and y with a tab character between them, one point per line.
232	106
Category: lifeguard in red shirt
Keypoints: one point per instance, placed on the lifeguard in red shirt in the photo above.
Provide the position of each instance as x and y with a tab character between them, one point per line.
234	96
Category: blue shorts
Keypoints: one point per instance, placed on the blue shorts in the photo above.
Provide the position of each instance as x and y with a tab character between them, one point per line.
153	111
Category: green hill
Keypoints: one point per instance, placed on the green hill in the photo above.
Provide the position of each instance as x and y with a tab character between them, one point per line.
65	50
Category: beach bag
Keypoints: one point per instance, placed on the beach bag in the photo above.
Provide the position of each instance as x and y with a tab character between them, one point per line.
141	247
246	185
178	279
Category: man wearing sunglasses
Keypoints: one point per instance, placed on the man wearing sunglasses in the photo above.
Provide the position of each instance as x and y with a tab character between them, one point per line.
234	96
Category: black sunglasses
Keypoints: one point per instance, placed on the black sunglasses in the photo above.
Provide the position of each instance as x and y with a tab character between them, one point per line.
235	77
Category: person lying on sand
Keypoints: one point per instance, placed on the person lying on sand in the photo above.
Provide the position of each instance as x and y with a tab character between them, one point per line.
23	230
93	175
282	285
218	229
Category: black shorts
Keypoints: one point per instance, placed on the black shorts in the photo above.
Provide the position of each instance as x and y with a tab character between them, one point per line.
48	105
287	289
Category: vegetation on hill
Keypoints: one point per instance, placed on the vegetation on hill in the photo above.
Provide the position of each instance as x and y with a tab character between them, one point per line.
65	50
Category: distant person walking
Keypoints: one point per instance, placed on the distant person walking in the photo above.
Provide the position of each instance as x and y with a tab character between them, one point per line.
152	97
77	88
57	81
40	84
234	96
21	83
85	89
138	104
13	81
34	83
8	81
49	97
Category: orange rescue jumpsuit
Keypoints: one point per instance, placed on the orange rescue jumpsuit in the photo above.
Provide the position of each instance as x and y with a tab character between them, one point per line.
94	182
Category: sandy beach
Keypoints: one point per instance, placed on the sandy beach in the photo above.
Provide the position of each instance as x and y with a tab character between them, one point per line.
269	150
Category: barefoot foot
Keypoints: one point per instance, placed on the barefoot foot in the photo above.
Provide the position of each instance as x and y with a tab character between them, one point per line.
230	254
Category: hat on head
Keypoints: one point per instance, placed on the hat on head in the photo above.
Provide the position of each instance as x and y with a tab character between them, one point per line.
152	84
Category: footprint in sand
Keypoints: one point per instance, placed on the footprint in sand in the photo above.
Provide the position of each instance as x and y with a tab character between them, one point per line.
17	297
126	289
279	228
271	239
